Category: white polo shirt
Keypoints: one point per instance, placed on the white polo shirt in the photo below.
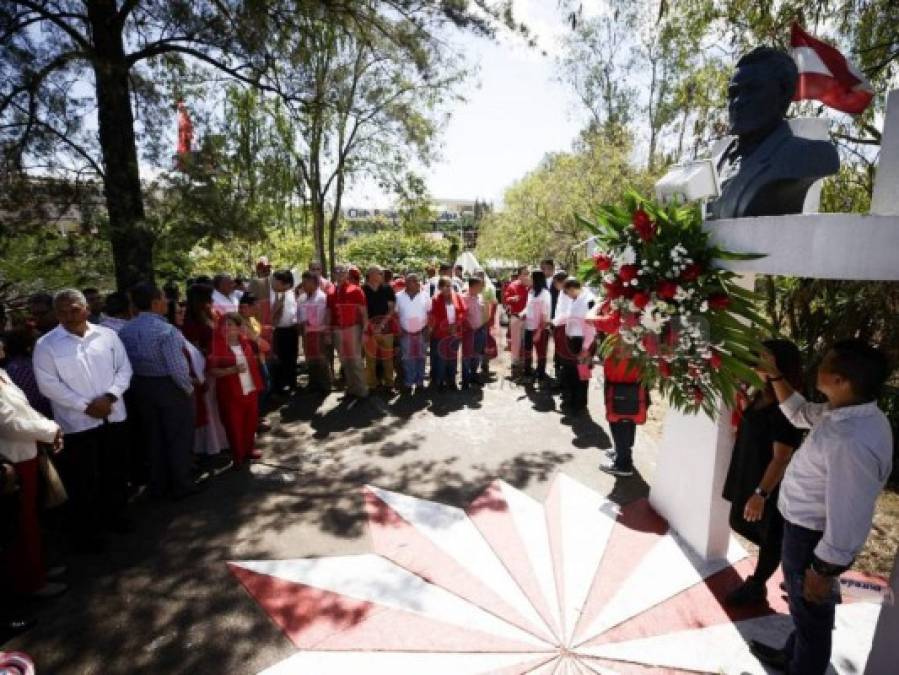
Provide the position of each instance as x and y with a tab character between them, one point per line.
413	312
72	371
312	311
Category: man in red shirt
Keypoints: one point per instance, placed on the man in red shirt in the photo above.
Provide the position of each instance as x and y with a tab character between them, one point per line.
515	299
347	306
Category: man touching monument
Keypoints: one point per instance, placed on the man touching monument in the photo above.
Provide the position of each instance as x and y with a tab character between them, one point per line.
766	169
828	494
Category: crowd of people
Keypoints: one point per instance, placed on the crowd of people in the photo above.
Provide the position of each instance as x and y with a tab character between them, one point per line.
148	389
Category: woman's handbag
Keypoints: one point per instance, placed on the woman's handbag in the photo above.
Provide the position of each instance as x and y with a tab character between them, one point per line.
53	489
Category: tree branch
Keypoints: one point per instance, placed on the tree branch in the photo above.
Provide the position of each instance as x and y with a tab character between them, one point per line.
58	20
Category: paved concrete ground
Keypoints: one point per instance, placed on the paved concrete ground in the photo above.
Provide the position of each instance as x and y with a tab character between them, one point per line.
162	600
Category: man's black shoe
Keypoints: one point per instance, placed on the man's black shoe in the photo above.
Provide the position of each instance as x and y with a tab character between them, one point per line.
749	592
769	656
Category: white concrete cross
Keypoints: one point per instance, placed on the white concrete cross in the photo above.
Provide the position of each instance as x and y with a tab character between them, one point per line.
695	451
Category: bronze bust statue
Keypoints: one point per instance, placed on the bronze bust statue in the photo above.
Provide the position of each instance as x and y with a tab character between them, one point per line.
766	170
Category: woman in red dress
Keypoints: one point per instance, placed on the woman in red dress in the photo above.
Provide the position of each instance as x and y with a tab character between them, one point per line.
238	383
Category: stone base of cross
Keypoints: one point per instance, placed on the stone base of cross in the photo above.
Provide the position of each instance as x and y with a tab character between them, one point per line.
695	451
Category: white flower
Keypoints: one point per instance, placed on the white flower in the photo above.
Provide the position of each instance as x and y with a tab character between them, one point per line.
628	256
656	263
628	337
653	321
704	307
680	294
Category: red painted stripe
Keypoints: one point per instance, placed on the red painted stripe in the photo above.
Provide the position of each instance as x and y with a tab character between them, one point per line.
491	515
398	540
316	619
638	529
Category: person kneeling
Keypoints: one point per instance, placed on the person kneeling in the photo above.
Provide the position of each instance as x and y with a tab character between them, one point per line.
238	384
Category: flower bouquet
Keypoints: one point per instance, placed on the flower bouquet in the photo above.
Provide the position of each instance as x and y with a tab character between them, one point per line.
682	320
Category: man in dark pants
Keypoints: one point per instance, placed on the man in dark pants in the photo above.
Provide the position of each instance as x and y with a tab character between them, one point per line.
828	494
162	390
286	337
579	337
83	369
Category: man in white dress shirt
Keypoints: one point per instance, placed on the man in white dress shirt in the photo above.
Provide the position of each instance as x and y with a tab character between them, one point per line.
579	337
314	325
285	337
225	296
828	494
412	307
83	370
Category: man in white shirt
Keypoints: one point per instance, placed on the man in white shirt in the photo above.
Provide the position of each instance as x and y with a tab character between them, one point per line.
579	336
225	296
412	307
285	337
83	370
314	324
828	494
560	304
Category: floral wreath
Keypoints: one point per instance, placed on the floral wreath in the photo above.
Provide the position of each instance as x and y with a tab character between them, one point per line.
681	320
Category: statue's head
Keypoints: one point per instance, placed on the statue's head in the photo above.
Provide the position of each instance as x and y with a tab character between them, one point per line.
760	90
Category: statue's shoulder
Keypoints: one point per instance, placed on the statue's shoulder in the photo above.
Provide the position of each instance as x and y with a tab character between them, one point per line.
806	156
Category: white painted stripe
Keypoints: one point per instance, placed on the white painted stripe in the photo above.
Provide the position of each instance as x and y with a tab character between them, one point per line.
450	529
371	578
586	520
548	668
396	663
724	648
591	667
808	61
530	521
669	568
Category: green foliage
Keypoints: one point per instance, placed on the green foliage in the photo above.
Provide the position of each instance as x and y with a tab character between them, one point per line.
285	250
539	218
399	252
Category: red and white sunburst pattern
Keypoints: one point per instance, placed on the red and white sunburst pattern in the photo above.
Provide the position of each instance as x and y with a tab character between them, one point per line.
575	586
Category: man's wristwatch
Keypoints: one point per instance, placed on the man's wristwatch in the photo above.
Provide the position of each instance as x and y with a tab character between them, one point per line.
826	569
762	493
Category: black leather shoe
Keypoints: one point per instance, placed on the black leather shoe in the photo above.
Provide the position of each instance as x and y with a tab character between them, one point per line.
747	593
769	656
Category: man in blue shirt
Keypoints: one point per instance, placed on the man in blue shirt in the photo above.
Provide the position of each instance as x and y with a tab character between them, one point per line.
163	392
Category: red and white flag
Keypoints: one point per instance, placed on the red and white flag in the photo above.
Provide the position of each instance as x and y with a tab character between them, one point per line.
826	75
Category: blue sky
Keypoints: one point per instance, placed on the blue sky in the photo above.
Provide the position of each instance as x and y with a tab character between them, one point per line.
516	111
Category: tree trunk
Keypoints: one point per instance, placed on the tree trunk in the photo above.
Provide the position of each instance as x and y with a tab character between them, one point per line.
335	216
318	233
132	242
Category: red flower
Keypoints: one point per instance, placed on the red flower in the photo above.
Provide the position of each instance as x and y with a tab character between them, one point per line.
666	290
641	299
719	302
602	262
691	273
698	396
651	344
664	369
715	361
613	290
629	292
628	272
630	320
608	323
643	225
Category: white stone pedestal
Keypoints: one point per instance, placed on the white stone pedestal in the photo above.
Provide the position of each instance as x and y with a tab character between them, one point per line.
692	464
884	657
